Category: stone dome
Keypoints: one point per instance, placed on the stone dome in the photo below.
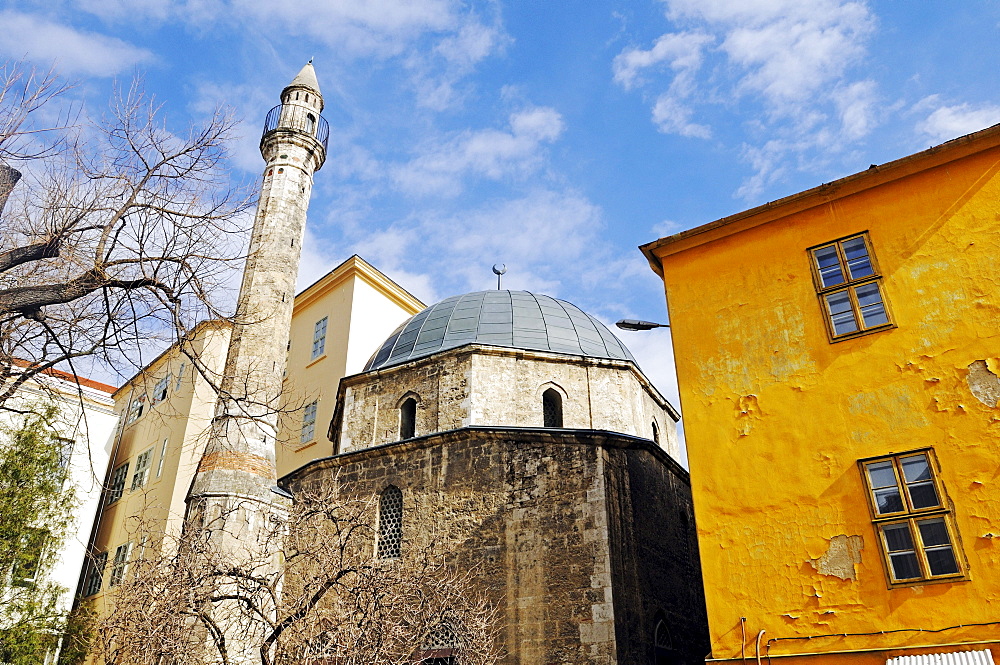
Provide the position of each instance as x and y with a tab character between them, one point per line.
514	319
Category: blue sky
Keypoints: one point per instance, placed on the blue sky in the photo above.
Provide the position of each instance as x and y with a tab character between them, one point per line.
551	136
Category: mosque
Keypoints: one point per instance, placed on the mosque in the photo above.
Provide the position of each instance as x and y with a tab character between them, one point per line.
511	425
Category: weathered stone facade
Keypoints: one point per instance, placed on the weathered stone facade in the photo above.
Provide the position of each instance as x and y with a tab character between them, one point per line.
497	386
584	539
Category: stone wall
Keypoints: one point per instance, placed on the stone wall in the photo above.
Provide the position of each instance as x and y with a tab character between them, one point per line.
493	386
579	538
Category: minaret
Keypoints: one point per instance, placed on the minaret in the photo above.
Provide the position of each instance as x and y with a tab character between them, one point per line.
231	496
239	457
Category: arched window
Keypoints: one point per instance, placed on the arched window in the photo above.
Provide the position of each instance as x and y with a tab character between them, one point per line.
661	644
656	433
440	646
408	419
552	415
310	123
390	523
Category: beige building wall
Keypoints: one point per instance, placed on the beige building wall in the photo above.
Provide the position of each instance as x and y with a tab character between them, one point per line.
362	307
164	415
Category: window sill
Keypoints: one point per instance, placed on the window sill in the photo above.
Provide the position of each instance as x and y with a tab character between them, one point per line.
313	362
862	333
953	579
307	444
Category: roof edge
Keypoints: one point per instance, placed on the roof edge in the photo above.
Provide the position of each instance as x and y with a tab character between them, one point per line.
357	266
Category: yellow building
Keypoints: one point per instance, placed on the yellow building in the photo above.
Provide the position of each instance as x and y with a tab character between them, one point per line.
166	409
838	354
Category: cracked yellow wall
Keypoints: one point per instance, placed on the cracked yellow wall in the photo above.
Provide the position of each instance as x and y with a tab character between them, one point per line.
776	416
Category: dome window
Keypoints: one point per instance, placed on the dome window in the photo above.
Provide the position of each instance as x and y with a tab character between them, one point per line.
552	411
656	434
408	419
390	523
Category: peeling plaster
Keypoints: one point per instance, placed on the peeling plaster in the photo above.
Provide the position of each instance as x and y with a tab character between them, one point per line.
840	558
748	411
984	384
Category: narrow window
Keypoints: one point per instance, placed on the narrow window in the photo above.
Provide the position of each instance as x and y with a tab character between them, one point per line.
160	389
117	487
848	285
180	377
119	566
142	465
96	575
390	523
28	557
135	409
308	423
319	338
163	454
552	415
656	433
912	521
310	123
65	456
408	419
662	644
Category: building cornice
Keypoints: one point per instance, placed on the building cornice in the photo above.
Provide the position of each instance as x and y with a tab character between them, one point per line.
356	266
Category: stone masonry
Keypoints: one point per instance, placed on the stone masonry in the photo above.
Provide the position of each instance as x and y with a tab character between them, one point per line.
486	385
584	539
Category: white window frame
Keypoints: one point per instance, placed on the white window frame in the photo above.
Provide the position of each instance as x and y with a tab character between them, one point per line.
143	463
308	432
319	338
119	565
163	453
116	488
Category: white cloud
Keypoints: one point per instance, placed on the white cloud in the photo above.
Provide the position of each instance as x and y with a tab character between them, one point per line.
489	153
792	58
545	237
673	117
71	51
682	52
948	122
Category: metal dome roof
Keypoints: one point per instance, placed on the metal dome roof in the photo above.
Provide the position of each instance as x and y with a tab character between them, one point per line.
515	319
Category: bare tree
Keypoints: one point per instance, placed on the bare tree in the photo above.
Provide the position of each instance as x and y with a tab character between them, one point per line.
118	233
315	594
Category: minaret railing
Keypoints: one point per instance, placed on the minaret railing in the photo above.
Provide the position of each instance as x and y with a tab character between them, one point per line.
292	116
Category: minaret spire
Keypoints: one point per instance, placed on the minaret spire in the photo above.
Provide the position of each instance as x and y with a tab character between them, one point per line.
231	492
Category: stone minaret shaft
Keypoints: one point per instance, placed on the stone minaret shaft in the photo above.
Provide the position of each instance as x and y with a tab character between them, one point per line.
239	459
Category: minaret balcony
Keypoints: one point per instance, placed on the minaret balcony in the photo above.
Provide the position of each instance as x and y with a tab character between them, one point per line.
298	118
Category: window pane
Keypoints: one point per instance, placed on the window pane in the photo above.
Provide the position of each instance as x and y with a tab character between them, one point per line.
888	501
881	474
897	537
872	309
858	263
937	547
904	566
934	532
942	561
916	468
922	495
829	266
841	313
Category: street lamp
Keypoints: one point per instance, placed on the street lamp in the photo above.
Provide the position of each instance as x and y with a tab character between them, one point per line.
635	324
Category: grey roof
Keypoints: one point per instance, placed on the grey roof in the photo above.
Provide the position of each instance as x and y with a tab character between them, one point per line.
515	319
306	78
